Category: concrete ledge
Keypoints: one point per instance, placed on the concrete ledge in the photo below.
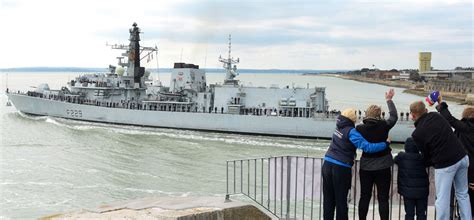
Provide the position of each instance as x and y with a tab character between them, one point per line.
169	208
470	99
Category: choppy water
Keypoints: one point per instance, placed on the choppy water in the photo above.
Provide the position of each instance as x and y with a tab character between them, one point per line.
50	165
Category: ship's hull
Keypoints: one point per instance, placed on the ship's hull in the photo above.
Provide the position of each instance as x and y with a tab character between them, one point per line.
247	124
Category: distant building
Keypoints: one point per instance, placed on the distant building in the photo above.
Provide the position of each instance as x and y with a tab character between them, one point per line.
404	75
463	75
449	74
425	62
383	74
456	86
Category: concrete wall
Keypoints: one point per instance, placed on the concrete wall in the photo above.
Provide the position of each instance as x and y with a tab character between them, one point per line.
470	99
463	87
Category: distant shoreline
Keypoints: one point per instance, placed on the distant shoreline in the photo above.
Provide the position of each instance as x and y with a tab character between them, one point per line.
153	70
408	86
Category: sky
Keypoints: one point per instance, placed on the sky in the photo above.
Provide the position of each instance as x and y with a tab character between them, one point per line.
272	34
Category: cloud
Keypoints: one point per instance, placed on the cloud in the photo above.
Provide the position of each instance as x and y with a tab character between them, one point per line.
277	34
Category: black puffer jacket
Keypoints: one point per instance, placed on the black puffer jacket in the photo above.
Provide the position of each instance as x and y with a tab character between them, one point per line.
436	140
464	130
376	130
413	181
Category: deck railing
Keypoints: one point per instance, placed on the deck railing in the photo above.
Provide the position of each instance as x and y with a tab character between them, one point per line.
290	187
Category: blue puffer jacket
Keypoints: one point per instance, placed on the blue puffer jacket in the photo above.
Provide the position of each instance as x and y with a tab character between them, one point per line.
345	140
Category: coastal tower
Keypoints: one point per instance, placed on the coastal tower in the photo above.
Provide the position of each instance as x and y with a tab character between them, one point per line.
425	62
231	71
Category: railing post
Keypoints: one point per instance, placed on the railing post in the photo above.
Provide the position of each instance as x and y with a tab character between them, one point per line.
261	178
288	186
234	178
275	183
281	187
255	179
248	178
227	197
304	185
241	176
296	184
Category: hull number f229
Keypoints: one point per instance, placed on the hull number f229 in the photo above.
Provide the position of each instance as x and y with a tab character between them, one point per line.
74	113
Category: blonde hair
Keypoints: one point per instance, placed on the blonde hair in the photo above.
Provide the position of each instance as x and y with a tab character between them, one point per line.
350	113
373	111
417	108
468	112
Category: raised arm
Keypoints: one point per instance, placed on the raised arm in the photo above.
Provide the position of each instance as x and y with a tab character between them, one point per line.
454	122
361	143
392	120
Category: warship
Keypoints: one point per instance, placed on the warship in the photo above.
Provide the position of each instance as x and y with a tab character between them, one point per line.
129	98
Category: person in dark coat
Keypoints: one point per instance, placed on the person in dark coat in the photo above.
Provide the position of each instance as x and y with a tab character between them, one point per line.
375	168
413	181
440	146
339	158
464	130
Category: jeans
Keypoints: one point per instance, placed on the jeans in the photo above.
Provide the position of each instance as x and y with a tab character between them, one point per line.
418	206
444	179
336	185
381	178
471	196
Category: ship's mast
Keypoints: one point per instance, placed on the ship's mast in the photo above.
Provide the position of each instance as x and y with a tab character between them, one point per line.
231	71
134	55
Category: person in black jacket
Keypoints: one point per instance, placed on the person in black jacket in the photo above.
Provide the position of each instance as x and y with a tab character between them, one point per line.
413	181
339	158
440	146
464	130
375	167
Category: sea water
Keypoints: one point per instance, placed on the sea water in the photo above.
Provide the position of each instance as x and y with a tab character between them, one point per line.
50	165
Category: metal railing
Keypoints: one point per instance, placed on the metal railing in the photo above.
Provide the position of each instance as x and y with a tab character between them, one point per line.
290	187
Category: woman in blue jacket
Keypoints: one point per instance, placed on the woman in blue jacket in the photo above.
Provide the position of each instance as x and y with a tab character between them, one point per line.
338	161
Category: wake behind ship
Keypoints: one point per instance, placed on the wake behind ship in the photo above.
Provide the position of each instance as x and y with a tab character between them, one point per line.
128	97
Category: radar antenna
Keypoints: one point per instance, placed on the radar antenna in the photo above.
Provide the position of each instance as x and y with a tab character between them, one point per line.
231	71
134	54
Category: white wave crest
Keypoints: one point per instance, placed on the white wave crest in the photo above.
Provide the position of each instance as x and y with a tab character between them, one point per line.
31	117
187	134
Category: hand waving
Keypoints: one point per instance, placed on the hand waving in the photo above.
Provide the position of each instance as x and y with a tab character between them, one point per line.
389	95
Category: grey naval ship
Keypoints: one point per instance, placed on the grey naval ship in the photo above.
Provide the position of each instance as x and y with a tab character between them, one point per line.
188	102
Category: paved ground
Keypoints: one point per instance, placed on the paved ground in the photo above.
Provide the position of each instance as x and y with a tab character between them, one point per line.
168	208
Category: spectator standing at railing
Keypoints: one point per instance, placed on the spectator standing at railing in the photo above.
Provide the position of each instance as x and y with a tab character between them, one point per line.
413	181
338	161
375	167
464	130
440	146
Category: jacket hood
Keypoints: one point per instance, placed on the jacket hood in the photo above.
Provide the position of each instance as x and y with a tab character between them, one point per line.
344	122
410	146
